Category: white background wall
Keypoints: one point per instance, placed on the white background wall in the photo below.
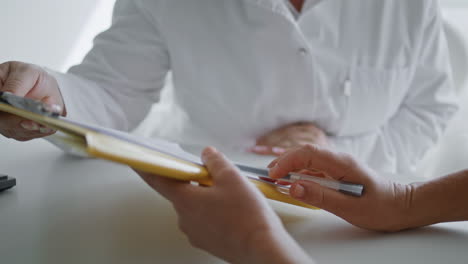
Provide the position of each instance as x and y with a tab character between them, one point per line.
52	33
454	3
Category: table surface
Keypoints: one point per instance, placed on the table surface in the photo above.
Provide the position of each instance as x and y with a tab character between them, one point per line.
71	210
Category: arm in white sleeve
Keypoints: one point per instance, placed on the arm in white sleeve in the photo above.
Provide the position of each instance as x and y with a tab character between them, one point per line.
421	118
121	77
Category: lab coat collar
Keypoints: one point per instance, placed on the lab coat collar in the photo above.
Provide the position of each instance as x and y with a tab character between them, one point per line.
279	7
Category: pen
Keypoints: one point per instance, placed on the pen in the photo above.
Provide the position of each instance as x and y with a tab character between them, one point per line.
344	187
263	175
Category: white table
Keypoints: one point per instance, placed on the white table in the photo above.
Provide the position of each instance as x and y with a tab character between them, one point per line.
69	210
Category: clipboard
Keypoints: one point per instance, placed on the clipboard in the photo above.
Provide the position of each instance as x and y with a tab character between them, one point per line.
163	158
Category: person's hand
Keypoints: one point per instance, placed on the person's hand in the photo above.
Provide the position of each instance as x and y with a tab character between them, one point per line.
383	206
284	138
33	82
230	219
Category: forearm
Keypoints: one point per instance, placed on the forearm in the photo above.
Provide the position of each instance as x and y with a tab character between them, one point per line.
440	200
275	247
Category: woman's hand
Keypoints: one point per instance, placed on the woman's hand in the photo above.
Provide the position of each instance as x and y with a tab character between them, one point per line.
231	219
383	206
282	139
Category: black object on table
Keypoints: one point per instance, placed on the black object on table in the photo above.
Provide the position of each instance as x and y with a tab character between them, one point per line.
6	182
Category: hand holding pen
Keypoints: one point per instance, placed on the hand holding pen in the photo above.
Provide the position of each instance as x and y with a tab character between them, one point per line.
382	206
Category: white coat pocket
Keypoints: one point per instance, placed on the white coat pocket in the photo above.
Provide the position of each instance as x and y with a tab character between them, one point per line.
373	97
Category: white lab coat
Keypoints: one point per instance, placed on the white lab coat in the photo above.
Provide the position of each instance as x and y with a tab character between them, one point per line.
373	74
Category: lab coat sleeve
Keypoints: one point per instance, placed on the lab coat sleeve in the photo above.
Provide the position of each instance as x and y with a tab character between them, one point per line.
121	77
423	115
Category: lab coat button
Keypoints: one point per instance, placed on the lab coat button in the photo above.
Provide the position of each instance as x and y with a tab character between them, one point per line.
303	51
347	88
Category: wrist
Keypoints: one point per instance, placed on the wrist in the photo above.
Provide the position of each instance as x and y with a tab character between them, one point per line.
400	211
419	209
439	200
406	217
274	245
258	244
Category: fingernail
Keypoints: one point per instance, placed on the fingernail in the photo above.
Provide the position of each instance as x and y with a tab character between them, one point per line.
278	150
54	108
259	148
298	191
45	130
208	151
31	126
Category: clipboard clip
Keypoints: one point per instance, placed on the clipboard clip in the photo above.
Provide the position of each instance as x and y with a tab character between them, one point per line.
28	104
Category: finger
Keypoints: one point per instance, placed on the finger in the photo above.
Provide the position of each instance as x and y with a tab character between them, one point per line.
315	158
286	143
25	135
20	129
221	170
35	129
29	135
260	150
299	138
278	151
270	139
275	161
267	150
172	190
4	69
52	105
20	80
29	125
323	197
314	173
18	124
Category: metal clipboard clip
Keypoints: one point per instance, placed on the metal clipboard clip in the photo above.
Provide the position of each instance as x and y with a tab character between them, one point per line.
29	105
261	175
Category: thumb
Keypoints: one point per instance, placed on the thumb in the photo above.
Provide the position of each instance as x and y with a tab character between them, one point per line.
221	170
21	79
322	197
